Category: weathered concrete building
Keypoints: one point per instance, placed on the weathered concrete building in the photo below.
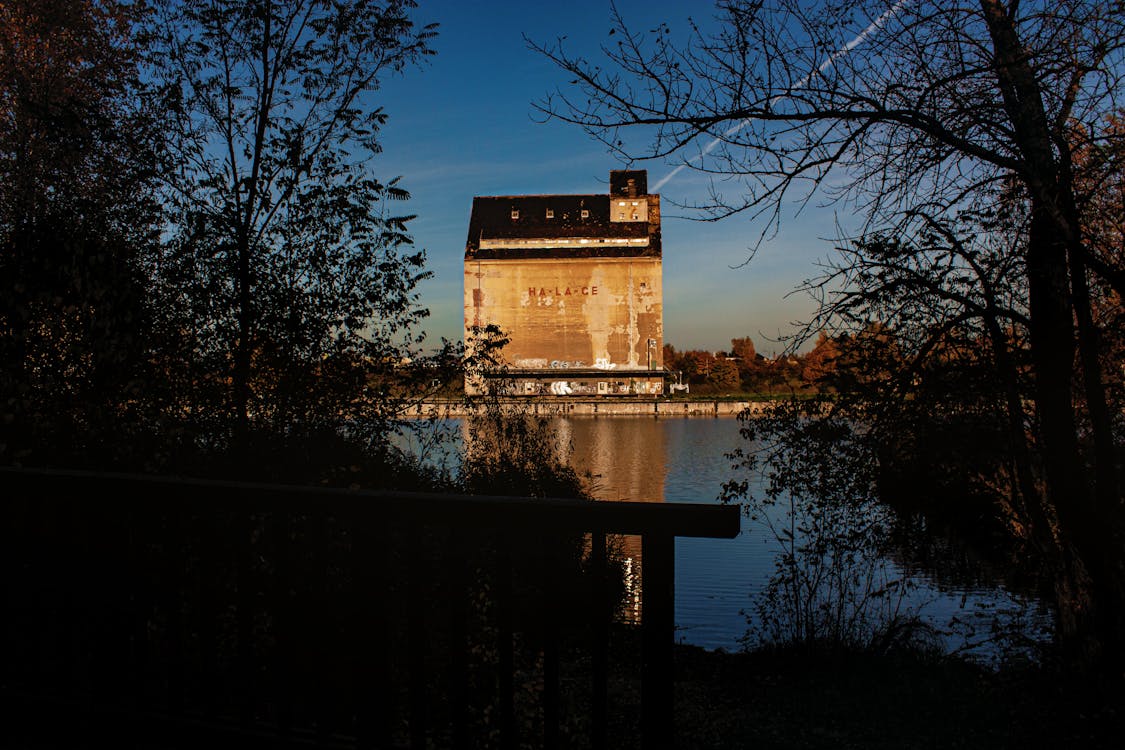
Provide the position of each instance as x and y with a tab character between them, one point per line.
575	282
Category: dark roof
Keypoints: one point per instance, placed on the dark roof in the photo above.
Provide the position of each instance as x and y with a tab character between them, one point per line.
492	219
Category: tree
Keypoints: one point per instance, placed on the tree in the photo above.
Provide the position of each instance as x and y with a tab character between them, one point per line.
820	364
289	281
78	162
946	107
750	363
1100	180
958	345
724	376
696	365
743	349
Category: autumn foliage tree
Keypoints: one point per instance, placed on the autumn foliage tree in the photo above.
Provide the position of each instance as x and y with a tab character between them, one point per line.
915	113
78	166
1099	153
821	364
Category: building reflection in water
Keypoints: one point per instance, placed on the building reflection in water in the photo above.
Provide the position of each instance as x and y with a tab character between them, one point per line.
624	459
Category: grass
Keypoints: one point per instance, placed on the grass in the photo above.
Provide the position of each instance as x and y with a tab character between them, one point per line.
793	699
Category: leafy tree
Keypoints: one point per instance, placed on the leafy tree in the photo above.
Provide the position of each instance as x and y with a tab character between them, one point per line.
955	360
669	353
78	159
1100	180
288	279
697	365
724	376
816	497
749	363
819	366
947	107
743	349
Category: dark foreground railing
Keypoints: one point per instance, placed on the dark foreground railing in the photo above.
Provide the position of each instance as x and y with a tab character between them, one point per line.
140	611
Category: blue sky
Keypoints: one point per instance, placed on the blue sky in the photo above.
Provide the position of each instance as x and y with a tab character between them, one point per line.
463	125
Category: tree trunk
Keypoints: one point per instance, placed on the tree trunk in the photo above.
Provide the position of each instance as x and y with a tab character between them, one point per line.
1087	589
1052	354
1041	533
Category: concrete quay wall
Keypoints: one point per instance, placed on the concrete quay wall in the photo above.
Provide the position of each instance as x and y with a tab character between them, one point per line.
572	407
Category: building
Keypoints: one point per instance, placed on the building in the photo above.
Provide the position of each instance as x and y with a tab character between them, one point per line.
575	282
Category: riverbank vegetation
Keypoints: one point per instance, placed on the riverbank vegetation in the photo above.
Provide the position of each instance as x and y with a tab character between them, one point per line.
742	372
980	146
899	699
202	274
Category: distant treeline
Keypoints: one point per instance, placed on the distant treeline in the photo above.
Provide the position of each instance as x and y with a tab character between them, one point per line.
832	365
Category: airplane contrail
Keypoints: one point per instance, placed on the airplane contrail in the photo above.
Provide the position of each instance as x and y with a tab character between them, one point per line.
828	62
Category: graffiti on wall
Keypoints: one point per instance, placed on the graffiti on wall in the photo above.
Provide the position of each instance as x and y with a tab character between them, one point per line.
557	291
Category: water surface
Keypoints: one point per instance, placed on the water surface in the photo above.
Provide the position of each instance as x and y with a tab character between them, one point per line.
682	459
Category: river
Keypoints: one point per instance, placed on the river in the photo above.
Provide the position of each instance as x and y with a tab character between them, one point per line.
682	459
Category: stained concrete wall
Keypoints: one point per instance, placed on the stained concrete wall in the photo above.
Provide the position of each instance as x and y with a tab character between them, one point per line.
572	312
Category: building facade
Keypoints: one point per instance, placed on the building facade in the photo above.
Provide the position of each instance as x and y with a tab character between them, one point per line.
575	283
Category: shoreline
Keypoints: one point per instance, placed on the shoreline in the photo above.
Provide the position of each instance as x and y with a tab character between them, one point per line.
576	407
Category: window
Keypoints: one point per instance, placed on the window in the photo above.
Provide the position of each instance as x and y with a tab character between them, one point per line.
550	213
515	213
585	213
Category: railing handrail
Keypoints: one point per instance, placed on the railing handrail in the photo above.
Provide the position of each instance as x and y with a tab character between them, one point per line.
658	523
496	511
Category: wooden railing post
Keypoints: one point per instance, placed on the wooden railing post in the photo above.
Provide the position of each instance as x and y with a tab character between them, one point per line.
657	634
273	555
457	578
549	614
368	634
599	641
245	683
417	640
505	647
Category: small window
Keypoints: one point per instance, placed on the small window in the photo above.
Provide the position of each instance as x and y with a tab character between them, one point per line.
621	215
515	213
635	217
550	213
585	213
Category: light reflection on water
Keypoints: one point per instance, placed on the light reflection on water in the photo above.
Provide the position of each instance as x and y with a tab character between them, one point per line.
682	459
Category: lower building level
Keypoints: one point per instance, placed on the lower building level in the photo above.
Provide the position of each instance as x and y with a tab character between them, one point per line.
573	382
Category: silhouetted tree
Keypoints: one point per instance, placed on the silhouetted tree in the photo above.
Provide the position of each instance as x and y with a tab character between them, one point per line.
289	281
819	366
78	159
948	106
1100	181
